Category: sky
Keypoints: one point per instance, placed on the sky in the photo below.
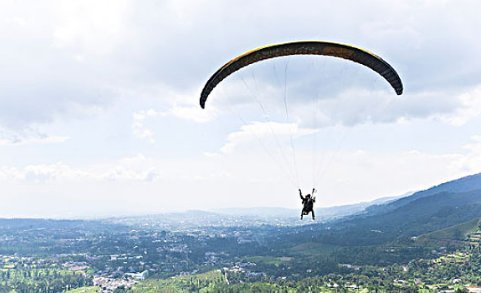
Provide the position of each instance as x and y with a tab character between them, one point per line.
100	116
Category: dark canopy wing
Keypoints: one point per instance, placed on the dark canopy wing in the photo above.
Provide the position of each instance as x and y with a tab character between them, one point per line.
304	48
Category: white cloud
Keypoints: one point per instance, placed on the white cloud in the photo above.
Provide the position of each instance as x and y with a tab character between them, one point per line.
471	161
38	140
124	174
278	132
136	168
90	27
28	136
44	173
469	107
138	124
100	48
185	105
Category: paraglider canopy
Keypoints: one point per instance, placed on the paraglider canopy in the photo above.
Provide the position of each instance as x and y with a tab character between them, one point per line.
348	52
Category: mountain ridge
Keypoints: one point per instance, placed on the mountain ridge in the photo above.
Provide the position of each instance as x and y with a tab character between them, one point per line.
463	184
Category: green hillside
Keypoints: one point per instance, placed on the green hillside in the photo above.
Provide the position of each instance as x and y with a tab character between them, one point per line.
418	217
462	234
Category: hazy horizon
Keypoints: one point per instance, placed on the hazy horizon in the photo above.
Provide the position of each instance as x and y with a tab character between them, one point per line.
222	210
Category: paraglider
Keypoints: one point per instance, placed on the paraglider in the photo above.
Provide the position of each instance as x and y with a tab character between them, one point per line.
308	204
320	48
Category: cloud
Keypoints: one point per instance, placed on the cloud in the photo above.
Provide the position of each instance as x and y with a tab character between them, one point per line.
471	161
469	107
41	140
351	176
124	174
89	27
81	54
42	83
132	168
138	126
273	131
135	168
43	173
28	137
349	107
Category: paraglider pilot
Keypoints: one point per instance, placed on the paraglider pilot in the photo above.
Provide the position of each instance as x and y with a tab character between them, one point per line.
308	204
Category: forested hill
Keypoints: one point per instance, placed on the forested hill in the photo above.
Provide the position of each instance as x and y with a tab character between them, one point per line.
419	216
425	211
464	184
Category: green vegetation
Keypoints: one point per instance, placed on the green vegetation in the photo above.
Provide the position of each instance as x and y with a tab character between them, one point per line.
88	289
457	235
192	283
453	271
269	260
51	279
313	249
